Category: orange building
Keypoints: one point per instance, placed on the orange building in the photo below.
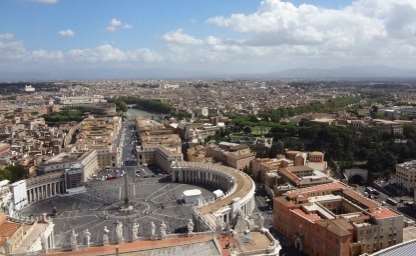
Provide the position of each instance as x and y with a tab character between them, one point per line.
334	220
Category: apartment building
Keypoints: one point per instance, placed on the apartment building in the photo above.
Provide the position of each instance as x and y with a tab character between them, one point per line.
231	154
77	167
293	170
343	221
406	175
103	135
159	145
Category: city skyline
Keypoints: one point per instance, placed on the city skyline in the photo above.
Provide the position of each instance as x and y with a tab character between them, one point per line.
61	39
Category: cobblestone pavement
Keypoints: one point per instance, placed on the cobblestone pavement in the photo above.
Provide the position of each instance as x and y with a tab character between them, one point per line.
152	198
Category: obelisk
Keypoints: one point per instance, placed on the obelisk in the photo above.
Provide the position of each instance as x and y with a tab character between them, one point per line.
126	192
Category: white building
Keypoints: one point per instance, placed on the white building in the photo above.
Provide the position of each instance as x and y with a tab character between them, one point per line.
406	175
192	196
5	196
29	88
81	100
19	199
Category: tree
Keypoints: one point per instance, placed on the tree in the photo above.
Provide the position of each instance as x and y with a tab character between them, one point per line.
277	148
373	111
13	173
121	106
247	130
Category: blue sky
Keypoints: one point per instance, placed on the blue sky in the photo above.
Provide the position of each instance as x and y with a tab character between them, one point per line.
200	35
38	24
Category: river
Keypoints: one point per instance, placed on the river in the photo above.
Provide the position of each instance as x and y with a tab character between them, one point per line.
133	113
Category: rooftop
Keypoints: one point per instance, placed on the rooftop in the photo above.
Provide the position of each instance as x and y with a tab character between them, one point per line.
383	213
403	249
7	229
203	245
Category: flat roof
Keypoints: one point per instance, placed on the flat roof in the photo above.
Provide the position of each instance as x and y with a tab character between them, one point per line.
62	157
256	241
192	192
333	186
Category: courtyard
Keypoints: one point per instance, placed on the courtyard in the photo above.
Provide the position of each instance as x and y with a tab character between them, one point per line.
154	199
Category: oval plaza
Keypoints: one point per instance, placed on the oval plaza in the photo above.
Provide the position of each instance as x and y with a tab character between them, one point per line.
229	206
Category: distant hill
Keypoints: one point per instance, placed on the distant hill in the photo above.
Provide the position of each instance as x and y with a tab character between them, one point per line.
347	72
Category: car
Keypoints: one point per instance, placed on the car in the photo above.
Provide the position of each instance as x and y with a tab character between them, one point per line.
371	190
392	201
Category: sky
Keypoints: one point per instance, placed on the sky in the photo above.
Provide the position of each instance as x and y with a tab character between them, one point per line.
76	39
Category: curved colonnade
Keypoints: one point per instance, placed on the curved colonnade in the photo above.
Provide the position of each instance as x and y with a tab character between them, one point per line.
44	187
237	186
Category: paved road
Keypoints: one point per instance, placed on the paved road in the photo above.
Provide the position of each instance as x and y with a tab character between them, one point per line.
129	157
129	141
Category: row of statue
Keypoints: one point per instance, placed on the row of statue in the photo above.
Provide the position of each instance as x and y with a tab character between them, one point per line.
118	234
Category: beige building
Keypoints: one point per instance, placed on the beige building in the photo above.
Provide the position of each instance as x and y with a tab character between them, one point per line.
62	172
101	134
25	236
158	155
159	145
406	175
293	170
198	153
231	154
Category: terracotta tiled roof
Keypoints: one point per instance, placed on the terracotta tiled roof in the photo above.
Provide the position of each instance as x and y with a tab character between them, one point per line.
312	217
7	229
349	193
383	213
334	186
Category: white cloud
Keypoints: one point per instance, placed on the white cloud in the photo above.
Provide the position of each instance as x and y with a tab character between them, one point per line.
116	24
46	1
6	36
42	55
179	37
66	33
277	35
279	22
10	48
366	28
109	53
